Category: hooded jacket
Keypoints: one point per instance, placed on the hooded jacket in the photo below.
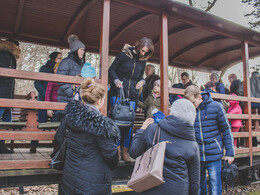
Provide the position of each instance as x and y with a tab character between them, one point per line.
129	68
220	87
69	66
9	53
181	163
212	130
235	108
91	150
41	86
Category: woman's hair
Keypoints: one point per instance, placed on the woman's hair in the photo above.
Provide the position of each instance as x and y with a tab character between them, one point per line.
54	55
91	92
145	42
192	90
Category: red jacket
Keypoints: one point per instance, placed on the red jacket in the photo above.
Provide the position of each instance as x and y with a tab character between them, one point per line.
234	108
51	94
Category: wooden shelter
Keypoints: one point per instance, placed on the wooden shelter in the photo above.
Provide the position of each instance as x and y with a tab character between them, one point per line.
183	37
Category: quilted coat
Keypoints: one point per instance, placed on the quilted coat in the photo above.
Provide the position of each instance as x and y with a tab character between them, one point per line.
212	130
91	151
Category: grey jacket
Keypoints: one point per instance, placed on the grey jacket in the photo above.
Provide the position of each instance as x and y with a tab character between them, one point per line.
255	87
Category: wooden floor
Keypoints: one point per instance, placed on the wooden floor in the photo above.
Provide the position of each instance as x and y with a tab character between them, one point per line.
24	154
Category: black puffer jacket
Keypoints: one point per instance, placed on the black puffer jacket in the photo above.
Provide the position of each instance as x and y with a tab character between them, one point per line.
129	68
8	55
41	86
91	151
181	169
68	66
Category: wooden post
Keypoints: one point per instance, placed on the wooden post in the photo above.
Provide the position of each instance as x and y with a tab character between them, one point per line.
164	62
247	107
103	48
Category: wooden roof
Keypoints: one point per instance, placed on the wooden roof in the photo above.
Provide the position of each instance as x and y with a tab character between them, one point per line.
197	40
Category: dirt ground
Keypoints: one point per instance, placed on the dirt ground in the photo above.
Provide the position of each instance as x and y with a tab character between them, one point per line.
252	189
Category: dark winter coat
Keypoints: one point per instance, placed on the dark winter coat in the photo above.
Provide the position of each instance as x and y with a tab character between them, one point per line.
181	170
129	68
237	87
68	66
212	130
149	81
91	151
172	97
255	87
42	85
220	87
8	55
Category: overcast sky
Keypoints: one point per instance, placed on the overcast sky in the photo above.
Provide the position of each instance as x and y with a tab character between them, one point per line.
234	11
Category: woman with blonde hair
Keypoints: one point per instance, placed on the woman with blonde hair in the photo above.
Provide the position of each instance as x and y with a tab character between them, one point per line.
91	143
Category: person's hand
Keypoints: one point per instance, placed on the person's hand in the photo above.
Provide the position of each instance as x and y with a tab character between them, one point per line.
119	84
139	84
230	159
147	122
50	113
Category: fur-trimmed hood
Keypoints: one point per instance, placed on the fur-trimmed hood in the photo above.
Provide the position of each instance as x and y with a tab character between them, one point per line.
128	50
81	118
11	48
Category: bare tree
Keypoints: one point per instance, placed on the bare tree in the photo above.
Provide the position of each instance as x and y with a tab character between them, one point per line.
202	4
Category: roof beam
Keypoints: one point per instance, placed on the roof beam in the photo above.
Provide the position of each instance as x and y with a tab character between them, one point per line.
18	17
83	8
225	50
195	44
173	31
128	24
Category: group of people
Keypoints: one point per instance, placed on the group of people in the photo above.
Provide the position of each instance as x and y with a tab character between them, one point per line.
197	126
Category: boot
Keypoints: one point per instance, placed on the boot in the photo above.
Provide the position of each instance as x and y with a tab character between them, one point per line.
119	153
125	155
4	150
33	149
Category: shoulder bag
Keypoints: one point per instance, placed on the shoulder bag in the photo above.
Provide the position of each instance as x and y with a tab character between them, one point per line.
122	112
148	170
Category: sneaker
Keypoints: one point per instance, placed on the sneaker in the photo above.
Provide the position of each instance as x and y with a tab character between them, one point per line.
4	150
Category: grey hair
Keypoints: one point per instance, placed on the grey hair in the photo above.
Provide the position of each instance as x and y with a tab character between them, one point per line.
184	110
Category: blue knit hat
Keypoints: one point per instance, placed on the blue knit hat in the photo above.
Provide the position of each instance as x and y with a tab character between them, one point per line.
88	71
158	116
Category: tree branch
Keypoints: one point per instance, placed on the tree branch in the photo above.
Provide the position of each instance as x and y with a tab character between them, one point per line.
211	4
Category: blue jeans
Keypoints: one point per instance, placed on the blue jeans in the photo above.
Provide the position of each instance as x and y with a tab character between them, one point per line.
214	172
6	115
126	134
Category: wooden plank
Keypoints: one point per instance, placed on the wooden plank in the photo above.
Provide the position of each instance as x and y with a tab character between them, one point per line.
255	133
17	135
12	125
104	48
240	134
256	149
242	150
164	62
247	106
10	173
6	157
28	104
49	125
39	76
237	116
23	164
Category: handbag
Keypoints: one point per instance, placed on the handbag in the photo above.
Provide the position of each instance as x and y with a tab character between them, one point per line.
228	173
122	112
148	169
59	155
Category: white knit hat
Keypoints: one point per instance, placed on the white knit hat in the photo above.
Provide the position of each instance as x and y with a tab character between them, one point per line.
184	110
